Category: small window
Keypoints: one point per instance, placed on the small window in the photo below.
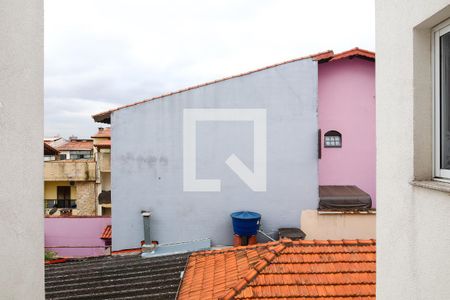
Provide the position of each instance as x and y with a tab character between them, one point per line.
80	154
49	157
333	139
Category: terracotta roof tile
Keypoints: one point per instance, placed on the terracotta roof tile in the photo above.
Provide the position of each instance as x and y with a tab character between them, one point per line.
76	145
103	133
286	269
354	52
107	232
103	144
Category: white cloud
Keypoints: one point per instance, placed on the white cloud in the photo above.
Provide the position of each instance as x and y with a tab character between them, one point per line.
105	53
72	116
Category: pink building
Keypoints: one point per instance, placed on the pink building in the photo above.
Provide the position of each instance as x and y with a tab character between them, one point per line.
76	236
347	120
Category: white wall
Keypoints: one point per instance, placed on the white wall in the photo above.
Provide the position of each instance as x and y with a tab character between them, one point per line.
21	150
147	158
413	223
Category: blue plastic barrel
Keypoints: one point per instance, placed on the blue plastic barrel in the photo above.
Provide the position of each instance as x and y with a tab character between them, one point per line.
245	223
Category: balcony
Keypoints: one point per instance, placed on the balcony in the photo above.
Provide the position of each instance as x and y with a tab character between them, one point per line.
69	170
104	162
61	203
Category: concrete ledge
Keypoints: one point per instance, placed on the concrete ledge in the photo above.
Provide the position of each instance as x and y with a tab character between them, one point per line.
349	212
432	185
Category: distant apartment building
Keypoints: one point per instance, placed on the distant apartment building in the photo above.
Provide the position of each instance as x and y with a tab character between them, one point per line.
102	156
70	179
78	175
76	149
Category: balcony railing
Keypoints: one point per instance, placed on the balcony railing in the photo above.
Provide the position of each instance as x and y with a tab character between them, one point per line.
61	203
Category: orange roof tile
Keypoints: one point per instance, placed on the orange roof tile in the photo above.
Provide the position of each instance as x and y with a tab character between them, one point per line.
285	269
103	144
103	133
107	232
76	145
354	52
127	251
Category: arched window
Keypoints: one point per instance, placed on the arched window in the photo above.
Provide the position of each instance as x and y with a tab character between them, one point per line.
333	139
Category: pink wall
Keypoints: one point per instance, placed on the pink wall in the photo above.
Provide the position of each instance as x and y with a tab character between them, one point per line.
75	231
347	104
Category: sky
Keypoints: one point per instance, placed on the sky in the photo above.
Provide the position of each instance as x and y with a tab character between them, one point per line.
103	54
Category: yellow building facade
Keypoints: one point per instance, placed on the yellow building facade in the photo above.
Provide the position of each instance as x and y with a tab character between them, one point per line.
102	154
70	180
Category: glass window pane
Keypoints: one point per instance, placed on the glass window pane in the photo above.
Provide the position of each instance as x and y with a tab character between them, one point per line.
332	139
445	99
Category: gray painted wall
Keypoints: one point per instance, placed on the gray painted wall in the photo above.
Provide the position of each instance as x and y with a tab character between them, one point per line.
147	158
21	161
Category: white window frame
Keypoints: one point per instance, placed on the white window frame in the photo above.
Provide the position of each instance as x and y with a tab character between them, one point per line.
437	32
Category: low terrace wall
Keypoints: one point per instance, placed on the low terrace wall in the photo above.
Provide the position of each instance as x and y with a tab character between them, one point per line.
338	225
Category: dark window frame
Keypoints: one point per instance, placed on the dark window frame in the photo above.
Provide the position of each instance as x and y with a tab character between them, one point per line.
81	154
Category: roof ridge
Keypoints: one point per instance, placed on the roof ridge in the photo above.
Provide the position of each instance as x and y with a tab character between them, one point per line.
323	272
354	52
233	249
332	252
317	243
330	262
343	242
273	252
321	284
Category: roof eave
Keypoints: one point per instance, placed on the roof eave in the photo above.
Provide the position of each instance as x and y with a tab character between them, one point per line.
100	146
105	117
322	57
352	53
50	150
